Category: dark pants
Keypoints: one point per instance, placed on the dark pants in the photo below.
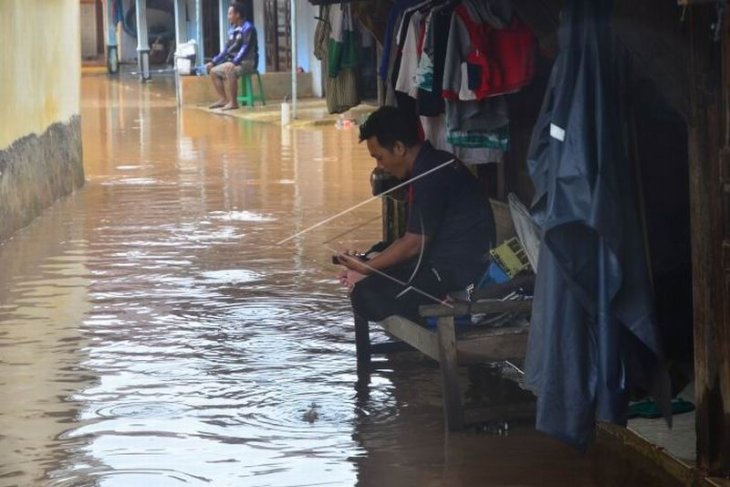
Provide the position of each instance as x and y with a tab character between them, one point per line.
377	297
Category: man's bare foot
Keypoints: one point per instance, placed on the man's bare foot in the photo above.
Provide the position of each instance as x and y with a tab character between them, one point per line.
218	104
230	106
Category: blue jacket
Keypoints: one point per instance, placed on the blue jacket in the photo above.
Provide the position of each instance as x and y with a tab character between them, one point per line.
242	45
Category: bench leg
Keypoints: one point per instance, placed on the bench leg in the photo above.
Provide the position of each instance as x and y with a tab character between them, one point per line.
362	345
453	407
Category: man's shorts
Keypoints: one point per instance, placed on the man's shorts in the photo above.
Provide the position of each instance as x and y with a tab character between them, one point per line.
222	70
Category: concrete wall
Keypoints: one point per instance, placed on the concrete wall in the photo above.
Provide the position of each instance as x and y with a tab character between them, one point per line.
40	133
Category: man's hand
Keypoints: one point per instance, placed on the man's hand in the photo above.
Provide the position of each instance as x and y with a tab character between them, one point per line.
403	249
352	262
208	67
349	278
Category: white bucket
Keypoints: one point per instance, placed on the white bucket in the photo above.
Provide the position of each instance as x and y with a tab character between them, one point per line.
183	65
285	114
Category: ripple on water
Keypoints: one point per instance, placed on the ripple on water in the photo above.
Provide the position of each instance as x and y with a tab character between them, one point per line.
207	355
143	410
132	167
230	276
132	182
135	476
241	216
302	415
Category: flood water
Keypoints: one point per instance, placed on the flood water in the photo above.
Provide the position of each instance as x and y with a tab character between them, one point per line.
152	333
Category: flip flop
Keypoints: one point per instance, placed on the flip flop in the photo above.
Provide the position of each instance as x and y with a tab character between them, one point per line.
648	409
230	108
217	105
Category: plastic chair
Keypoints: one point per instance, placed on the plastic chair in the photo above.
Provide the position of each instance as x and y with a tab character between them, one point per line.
247	95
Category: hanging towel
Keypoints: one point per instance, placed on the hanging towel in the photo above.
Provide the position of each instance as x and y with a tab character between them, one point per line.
341	52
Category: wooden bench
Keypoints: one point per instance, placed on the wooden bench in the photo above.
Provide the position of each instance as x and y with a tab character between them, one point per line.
452	346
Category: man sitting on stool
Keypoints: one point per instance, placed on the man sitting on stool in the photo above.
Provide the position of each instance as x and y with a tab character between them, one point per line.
241	55
449	231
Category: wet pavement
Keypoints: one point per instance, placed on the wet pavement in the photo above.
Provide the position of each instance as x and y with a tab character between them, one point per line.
153	333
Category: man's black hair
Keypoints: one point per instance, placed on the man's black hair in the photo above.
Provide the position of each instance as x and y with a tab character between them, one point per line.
390	125
240	9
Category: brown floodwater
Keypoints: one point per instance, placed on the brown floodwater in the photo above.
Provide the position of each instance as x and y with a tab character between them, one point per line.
152	333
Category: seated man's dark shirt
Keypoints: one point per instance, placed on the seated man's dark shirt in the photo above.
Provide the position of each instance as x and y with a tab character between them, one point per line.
448	206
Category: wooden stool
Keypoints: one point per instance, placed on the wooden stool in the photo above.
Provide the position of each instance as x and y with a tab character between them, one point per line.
247	96
452	348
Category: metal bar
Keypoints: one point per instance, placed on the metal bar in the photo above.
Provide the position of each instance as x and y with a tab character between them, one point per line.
223	22
293	42
112	56
181	31
143	47
199	54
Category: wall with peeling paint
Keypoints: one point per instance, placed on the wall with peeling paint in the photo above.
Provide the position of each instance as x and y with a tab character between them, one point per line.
40	80
40	141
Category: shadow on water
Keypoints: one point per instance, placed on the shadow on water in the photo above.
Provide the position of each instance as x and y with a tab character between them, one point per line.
152	333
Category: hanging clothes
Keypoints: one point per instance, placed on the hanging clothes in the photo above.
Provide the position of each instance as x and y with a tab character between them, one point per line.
336	49
434	130
341	50
593	337
491	52
427	40
390	64
472	118
410	54
497	139
485	115
372	16
430	72
392	24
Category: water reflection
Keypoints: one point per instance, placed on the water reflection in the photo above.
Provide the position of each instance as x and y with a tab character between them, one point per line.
170	341
153	334
42	350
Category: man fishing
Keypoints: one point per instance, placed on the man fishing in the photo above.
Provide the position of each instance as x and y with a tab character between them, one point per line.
450	226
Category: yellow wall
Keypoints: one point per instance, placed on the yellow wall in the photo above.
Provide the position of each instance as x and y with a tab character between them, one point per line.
40	50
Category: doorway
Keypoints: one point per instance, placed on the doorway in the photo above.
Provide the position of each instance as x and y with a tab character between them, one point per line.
277	31
92	31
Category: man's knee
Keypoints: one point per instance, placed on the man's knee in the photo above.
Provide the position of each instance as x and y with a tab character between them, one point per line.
228	71
223	70
368	303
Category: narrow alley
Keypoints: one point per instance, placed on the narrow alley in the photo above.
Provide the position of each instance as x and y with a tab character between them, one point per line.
153	333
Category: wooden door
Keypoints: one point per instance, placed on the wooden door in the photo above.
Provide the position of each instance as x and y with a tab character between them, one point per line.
277	32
